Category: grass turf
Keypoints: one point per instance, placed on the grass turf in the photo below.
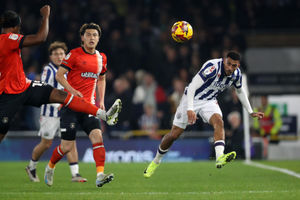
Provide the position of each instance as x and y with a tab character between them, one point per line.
196	180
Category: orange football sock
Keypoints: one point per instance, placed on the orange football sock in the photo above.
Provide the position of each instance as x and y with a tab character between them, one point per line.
79	104
57	155
99	156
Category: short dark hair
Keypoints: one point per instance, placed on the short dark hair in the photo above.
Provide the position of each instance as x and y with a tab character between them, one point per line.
10	19
90	26
56	45
234	55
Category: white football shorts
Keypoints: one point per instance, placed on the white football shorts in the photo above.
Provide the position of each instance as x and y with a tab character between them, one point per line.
203	108
49	126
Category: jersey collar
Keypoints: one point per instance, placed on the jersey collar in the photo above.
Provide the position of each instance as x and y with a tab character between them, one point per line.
87	52
53	65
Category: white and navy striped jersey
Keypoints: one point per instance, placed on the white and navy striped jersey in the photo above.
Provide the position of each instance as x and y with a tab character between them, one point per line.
48	76
215	80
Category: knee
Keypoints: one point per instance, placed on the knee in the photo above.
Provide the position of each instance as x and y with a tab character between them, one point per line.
175	133
96	136
218	123
48	144
66	147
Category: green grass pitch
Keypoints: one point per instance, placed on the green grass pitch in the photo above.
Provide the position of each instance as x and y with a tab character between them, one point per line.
188	181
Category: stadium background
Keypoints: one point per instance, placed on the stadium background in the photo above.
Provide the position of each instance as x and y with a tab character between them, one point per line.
136	39
146	67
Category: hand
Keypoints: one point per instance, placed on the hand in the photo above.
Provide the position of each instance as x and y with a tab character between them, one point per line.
77	93
45	11
259	115
191	117
102	106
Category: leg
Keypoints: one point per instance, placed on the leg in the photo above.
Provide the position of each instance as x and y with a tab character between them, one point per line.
169	138
40	148
37	152
163	148
72	157
219	137
217	122
99	157
76	103
58	153
98	149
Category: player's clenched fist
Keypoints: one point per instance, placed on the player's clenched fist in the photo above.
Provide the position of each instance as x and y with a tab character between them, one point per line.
45	11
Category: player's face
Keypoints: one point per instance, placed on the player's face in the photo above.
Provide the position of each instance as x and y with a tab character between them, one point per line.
90	38
57	56
230	66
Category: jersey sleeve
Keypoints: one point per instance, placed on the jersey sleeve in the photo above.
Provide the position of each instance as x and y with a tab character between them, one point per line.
69	61
238	81
14	41
104	64
207	71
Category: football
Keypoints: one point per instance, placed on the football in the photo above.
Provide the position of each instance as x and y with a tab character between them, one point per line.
182	31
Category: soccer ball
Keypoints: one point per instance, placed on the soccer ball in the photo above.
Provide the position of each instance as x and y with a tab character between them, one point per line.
182	31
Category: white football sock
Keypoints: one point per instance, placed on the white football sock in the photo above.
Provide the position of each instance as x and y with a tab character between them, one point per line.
159	155
219	148
32	164
74	168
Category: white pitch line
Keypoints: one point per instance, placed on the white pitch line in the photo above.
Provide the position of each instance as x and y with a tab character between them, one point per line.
149	193
278	169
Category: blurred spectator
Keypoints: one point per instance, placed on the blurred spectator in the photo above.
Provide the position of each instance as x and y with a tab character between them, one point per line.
148	122
234	137
229	102
269	126
175	97
121	90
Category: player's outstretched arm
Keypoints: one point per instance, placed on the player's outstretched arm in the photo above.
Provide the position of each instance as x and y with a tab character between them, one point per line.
242	95
63	81
42	34
259	115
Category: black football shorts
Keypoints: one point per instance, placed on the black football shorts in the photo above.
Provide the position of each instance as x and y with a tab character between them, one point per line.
37	93
71	120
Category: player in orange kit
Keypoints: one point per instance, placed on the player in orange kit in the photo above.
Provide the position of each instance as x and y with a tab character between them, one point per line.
85	68
16	90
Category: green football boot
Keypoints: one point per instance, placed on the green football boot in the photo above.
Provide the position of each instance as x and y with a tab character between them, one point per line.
150	169
225	158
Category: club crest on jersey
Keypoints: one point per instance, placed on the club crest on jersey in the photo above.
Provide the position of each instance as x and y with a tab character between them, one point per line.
68	56
13	36
208	71
90	75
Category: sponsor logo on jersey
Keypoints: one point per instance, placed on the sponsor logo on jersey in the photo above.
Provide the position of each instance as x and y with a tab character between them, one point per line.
90	75
220	85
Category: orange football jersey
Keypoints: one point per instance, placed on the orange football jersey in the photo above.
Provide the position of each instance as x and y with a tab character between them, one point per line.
84	70
12	76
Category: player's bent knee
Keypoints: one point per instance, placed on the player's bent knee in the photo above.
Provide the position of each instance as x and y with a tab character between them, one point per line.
216	121
66	146
175	132
48	144
58	96
96	136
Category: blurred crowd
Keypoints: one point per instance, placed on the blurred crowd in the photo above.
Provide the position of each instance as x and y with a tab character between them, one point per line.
146	68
